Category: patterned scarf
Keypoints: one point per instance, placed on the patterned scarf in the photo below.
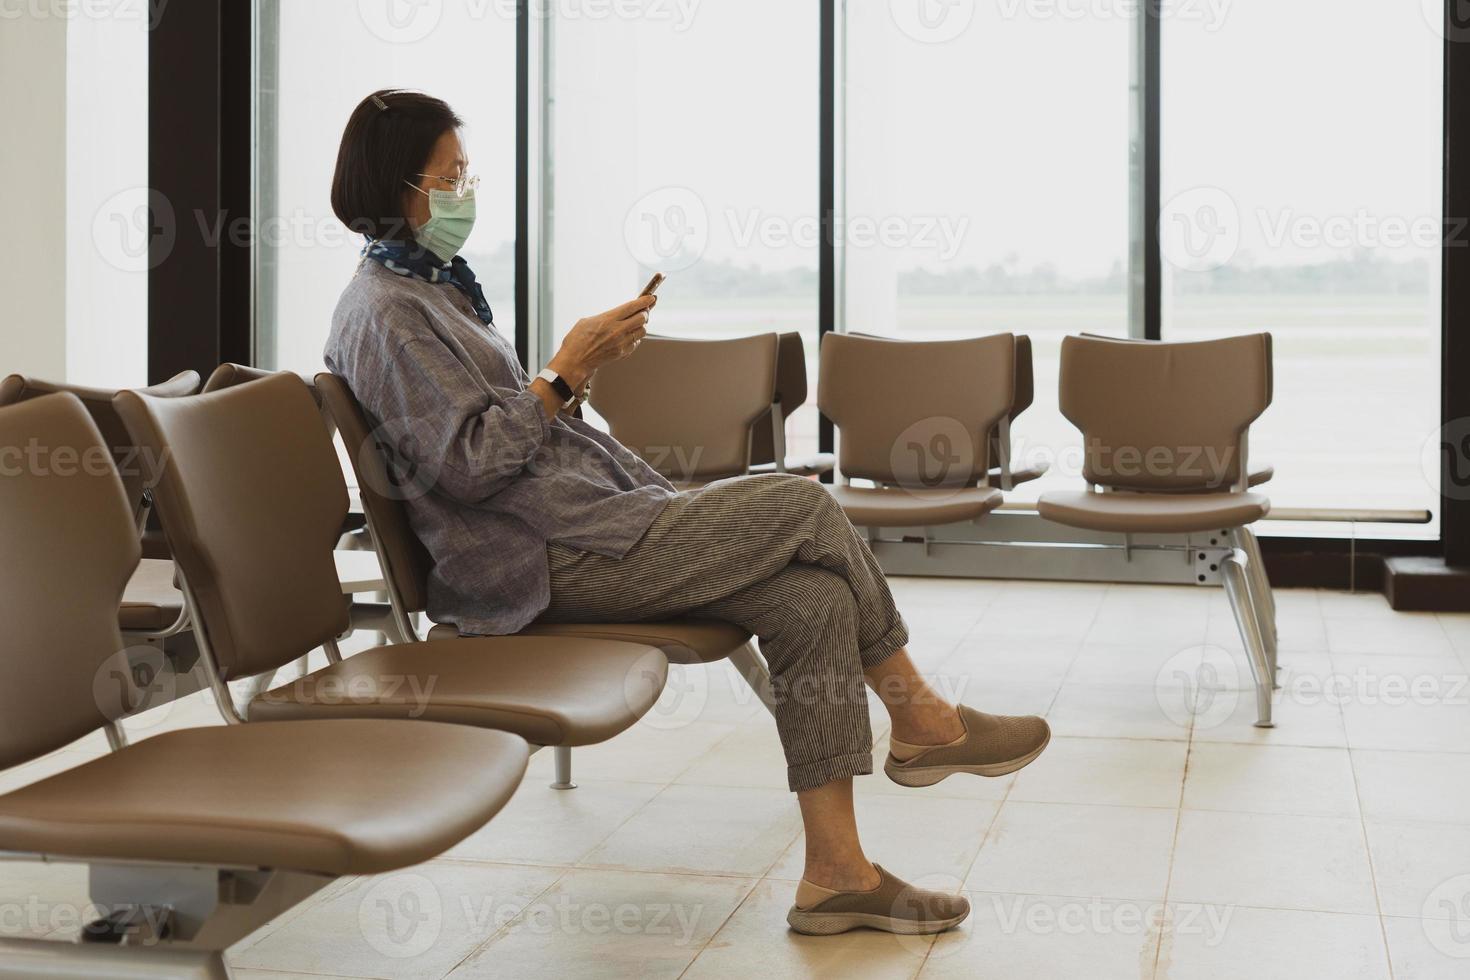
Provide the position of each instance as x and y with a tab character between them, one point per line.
412	260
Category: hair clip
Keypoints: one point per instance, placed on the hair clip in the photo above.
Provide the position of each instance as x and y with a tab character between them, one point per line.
379	102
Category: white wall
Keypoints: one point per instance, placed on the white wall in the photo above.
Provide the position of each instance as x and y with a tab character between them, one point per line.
73	175
33	195
106	207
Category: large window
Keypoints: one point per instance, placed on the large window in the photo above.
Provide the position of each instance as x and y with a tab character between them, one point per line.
986	171
683	138
317	60
988	180
1302	153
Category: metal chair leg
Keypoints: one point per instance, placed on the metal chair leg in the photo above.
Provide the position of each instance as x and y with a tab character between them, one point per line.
1262	601
1246	539
752	666
561	757
1236	576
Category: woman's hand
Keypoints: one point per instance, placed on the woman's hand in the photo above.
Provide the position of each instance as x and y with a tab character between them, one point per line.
601	339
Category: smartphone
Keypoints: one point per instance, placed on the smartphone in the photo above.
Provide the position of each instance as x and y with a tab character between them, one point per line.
653	284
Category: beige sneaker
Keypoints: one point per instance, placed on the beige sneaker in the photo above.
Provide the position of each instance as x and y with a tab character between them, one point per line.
893	906
994	745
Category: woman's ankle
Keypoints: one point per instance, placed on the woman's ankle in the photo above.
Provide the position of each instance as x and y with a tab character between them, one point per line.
855	875
934	726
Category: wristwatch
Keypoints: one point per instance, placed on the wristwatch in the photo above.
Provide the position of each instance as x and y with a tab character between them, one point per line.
558	384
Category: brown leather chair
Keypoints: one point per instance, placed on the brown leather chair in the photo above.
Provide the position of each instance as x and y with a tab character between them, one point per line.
204	834
152	608
353	537
252	498
768	436
406	567
687	406
98	402
228	375
915	418
1165	429
1014	473
1260	472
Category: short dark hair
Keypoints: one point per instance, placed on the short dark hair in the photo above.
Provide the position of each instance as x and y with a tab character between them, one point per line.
388	140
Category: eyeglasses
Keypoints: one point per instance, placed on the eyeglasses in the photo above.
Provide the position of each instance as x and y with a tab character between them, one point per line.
463	184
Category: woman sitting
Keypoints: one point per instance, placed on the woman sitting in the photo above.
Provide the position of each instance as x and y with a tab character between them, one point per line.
530	513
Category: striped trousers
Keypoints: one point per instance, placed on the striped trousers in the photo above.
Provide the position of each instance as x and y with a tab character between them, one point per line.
777	556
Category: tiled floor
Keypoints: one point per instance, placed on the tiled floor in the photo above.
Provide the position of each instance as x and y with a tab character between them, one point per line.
1160	836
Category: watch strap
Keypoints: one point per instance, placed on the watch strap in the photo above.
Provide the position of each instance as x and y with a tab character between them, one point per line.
558	384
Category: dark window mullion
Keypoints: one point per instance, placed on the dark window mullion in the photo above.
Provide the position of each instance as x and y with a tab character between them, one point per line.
827	194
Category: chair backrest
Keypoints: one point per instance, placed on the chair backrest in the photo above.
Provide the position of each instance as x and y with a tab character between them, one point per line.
133	468
228	375
916	413
406	562
1270	360
1025	377
791	392
252	500
1165	416
1025	393
687	406
70	546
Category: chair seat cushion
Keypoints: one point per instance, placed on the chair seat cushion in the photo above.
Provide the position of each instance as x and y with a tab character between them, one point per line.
150	602
548	690
334	797
683	641
1153	513
813	464
896	507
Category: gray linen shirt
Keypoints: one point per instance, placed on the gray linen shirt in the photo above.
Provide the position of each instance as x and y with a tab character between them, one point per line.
489	479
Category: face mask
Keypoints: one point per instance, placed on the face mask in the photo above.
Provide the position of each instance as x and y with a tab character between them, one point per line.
451	220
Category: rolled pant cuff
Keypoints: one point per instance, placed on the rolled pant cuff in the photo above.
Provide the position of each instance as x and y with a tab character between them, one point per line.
815	774
894	640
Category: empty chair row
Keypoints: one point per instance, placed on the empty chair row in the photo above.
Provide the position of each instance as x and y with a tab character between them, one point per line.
1165	431
925	435
704	410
